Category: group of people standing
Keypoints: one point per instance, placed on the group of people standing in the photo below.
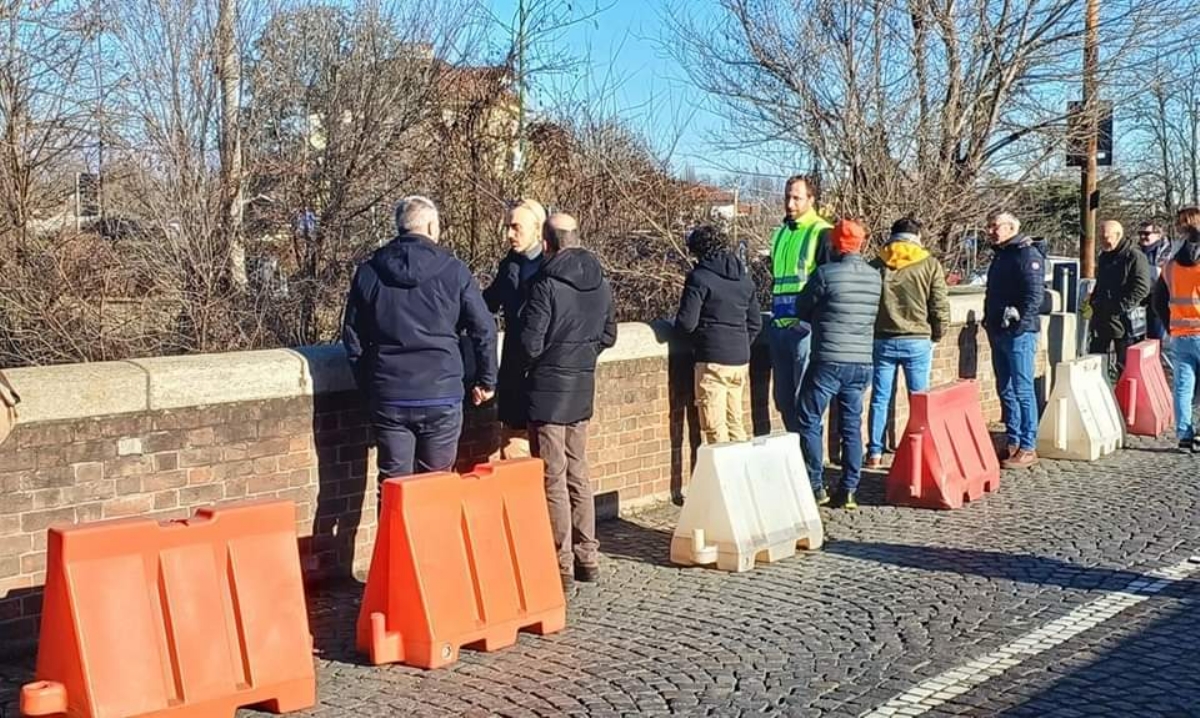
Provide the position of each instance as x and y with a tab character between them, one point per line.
409	307
838	325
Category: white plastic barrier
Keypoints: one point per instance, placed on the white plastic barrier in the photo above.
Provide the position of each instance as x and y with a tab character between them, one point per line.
747	501
1082	421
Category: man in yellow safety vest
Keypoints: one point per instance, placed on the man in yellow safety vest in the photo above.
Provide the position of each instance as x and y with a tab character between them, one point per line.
798	247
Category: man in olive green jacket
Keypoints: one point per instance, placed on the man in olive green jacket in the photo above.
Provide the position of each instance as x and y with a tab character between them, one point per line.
914	312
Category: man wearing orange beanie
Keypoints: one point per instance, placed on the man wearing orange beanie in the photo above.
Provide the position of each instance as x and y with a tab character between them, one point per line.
840	301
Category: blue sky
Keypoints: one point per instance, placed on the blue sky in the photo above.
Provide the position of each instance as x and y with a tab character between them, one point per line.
625	64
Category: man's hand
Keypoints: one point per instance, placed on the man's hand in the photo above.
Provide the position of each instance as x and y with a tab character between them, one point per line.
481	395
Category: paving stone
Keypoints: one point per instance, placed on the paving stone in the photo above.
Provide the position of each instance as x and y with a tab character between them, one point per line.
897	597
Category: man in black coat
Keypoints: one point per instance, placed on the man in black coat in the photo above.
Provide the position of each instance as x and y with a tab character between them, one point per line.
507	294
401	336
568	321
1122	286
719	313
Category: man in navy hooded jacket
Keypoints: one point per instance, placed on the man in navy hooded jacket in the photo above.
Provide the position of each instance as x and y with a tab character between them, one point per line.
401	333
1015	289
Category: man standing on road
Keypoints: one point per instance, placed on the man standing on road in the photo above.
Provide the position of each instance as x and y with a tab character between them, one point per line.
506	294
401	336
568	321
719	313
1157	250
1122	286
914	312
841	300
1177	304
1015	289
798	247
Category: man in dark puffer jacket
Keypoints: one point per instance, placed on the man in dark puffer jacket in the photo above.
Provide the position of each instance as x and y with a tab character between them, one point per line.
720	315
568	321
401	336
841	301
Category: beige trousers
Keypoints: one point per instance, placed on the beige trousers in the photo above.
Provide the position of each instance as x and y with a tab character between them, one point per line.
719	390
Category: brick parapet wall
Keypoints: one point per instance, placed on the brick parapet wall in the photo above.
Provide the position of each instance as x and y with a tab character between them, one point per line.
186	432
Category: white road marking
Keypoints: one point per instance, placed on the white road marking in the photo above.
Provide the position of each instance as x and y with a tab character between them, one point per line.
936	691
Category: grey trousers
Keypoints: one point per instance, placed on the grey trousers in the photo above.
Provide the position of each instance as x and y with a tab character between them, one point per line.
563	448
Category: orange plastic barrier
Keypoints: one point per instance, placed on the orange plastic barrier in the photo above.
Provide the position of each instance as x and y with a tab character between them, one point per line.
181	619
460	561
946	456
1142	392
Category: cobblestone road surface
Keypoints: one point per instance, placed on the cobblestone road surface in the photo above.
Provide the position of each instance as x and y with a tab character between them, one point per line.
897	597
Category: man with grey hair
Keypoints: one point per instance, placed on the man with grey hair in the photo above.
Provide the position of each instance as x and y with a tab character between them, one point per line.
1015	289
401	333
568	321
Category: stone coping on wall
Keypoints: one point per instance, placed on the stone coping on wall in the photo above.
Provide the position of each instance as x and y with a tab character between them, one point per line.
75	391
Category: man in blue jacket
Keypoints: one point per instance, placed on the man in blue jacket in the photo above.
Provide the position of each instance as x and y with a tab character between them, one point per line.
1015	288
400	331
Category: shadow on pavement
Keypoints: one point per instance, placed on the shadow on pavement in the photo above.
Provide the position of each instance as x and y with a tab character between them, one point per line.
1022	568
620	538
332	615
1152	672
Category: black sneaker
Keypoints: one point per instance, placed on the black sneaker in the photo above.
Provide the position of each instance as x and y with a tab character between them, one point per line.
1187	446
587	574
822	497
848	502
1196	445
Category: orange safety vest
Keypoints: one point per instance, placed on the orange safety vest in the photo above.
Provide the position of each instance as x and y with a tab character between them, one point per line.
1183	288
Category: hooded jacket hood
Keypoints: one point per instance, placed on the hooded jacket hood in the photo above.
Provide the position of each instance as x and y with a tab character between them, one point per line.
409	260
901	254
1189	253
724	265
576	267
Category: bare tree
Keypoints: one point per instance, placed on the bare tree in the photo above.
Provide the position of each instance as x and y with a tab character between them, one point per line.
909	106
44	120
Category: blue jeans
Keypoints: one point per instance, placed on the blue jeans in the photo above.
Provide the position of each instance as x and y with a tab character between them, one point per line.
416	439
1185	355
824	381
915	356
790	348
1013	361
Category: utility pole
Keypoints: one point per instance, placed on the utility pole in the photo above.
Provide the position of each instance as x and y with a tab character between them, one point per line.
1089	198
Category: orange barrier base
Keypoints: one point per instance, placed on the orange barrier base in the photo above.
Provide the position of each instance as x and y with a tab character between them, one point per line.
946	457
461	562
47	698
183	619
388	647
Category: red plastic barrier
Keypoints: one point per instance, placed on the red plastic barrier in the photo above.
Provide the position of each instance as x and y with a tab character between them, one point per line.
175	620
946	456
1143	393
461	561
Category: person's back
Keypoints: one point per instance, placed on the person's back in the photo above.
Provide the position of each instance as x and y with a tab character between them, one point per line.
568	321
841	300
410	298
404	311
844	318
719	314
